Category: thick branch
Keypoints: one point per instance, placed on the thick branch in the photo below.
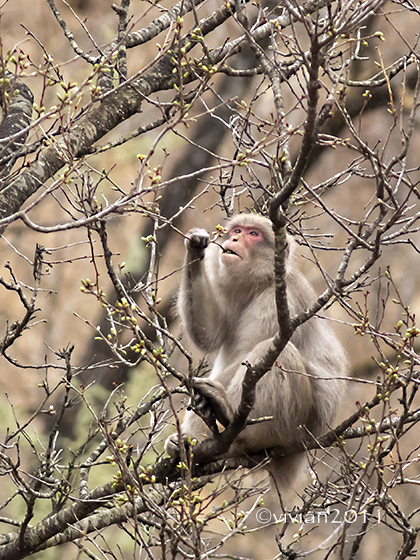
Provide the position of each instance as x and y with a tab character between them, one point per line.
50	526
114	109
18	115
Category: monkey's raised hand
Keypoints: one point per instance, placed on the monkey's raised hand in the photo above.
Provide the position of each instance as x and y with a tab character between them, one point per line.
197	241
211	399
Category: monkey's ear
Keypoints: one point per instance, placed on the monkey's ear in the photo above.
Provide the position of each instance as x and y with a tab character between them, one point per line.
291	247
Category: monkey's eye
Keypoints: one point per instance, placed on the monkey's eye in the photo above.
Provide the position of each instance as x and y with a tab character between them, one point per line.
254	233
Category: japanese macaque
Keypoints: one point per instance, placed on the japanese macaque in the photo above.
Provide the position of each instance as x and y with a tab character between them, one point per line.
227	306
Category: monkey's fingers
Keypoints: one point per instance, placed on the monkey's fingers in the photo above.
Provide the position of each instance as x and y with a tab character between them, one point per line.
215	398
197	240
220	411
201	407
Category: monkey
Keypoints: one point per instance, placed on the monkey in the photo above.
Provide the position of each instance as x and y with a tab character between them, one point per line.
227	306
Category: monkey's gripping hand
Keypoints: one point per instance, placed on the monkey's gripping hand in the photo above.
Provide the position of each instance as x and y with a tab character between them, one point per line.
197	241
210	403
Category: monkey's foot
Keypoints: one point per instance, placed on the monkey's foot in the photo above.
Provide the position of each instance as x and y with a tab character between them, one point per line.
172	446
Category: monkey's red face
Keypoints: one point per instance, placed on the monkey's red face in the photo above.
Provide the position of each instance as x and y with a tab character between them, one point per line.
241	243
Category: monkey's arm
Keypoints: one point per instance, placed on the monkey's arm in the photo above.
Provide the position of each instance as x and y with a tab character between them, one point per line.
197	303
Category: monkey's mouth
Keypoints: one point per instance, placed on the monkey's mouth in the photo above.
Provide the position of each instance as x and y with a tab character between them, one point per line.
230	252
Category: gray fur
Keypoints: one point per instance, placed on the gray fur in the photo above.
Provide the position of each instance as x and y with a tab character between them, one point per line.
233	315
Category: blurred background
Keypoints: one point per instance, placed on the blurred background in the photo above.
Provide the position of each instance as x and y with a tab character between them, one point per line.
68	316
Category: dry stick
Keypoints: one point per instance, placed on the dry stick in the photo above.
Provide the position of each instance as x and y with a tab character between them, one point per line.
122	13
69	35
